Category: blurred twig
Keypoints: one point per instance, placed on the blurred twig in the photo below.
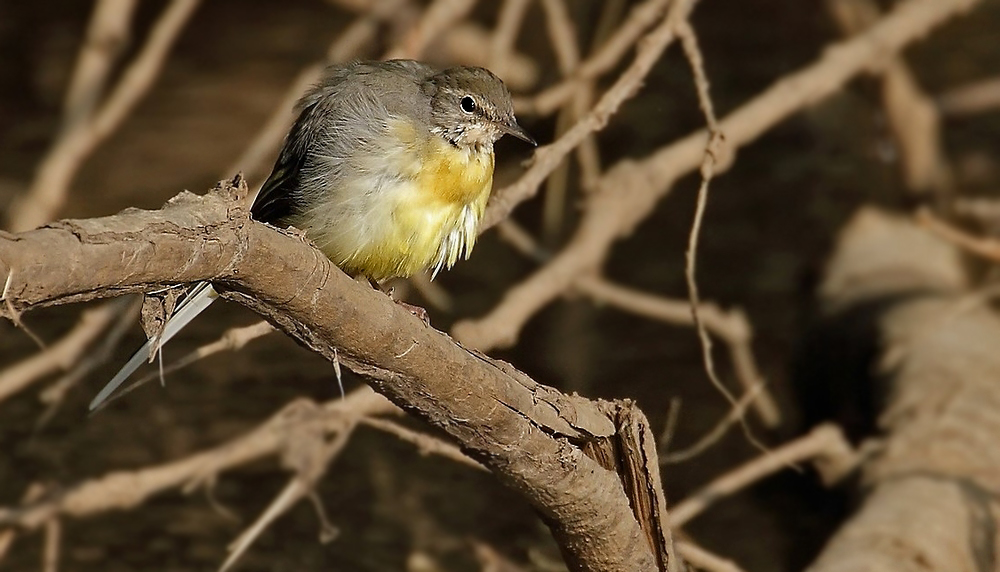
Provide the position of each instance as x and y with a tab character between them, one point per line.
602	61
426	444
438	17
56	170
63	354
53	538
107	36
977	97
54	395
825	446
562	38
988	248
702	559
122	490
504	37
912	115
731	326
630	190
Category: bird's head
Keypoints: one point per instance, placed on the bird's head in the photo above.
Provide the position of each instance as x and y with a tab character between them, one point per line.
471	107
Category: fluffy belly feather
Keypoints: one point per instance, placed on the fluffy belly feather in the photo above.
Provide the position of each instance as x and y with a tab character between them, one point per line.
423	214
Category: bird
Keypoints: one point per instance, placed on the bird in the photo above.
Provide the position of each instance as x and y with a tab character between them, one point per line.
387	169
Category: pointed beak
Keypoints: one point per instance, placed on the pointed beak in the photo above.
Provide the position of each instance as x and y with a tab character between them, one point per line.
516	130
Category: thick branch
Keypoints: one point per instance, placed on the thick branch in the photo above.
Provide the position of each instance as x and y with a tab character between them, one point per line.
530	435
935	484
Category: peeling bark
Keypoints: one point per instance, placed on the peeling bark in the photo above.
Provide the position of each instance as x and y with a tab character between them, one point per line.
533	437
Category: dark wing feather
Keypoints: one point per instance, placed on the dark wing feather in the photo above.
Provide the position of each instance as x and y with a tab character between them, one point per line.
278	196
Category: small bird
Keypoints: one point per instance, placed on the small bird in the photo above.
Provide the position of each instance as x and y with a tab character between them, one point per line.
387	170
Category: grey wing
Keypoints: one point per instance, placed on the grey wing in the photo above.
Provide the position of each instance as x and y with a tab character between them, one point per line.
281	196
340	118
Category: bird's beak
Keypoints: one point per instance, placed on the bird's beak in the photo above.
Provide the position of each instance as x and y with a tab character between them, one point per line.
516	130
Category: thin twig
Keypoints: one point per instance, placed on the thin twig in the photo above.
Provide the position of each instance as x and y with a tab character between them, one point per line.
734	416
825	445
702	559
603	61
548	157
717	139
232	340
630	190
293	492
299	486
426	444
732	327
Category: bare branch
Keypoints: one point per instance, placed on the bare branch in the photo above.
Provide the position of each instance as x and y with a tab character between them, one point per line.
702	559
912	115
61	355
121	490
528	434
549	157
56	171
606	58
630	190
824	444
977	97
107	36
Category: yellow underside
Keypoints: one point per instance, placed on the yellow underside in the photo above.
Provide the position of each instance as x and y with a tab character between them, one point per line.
426	218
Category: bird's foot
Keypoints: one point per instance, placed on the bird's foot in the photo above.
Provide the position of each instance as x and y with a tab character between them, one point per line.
417	311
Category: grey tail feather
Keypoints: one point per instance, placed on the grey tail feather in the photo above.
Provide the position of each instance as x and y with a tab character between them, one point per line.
194	303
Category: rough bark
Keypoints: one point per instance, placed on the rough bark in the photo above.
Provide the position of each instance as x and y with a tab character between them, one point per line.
532	436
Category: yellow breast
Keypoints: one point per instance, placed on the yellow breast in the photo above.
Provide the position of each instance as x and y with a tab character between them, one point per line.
418	207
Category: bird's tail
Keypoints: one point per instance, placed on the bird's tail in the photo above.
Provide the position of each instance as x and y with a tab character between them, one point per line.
194	303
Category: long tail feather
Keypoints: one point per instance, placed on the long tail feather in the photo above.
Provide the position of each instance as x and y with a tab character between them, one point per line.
201	297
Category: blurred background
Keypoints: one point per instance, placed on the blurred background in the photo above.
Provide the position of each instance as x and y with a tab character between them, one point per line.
770	224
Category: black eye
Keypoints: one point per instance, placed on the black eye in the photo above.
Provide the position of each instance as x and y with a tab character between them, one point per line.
468	104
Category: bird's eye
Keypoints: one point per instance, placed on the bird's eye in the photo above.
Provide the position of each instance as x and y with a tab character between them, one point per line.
468	104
